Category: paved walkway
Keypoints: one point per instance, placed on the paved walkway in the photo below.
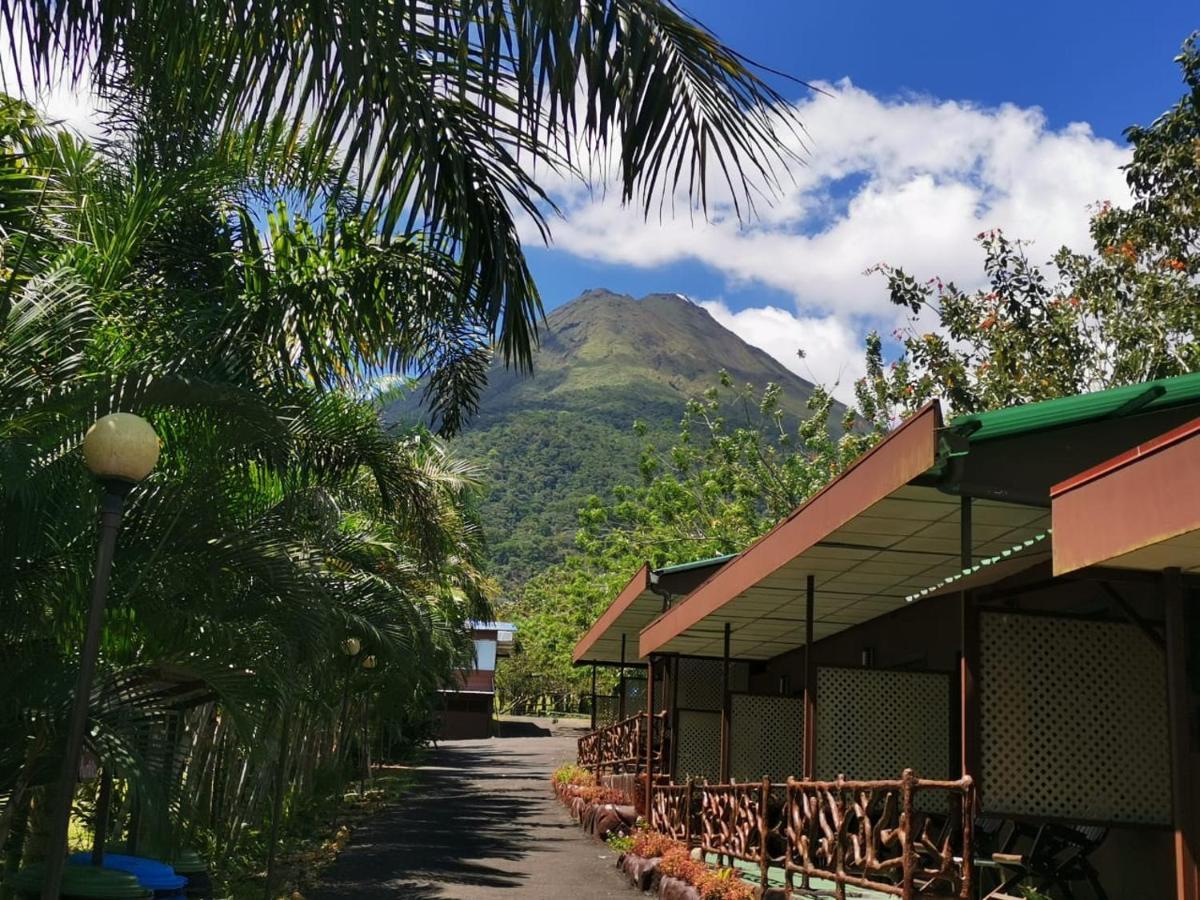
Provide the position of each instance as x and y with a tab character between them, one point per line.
482	823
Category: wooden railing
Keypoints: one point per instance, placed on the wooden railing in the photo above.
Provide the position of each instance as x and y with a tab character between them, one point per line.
867	834
622	746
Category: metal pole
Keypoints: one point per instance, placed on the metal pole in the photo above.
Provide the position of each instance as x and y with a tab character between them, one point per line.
110	525
277	808
810	681
725	767
593	697
621	685
965	555
969	664
1184	753
103	804
649	722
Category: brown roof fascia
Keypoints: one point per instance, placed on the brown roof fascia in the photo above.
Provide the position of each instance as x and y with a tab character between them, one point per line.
910	450
1154	445
1142	497
638	583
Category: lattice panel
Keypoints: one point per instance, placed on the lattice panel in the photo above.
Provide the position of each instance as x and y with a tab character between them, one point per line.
606	711
635	695
698	749
873	723
700	682
1073	720
766	737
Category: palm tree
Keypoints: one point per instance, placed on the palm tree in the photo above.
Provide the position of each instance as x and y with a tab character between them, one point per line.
282	518
445	115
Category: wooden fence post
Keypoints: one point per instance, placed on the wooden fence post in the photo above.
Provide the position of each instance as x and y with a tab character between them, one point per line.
908	853
687	817
968	838
764	863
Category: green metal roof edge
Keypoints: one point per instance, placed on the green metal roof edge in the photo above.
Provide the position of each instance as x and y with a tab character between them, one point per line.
1061	411
696	564
1012	551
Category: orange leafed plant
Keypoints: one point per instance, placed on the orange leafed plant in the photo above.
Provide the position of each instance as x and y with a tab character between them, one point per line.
723	884
649	844
678	863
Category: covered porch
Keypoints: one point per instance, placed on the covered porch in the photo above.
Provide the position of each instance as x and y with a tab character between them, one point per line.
911	627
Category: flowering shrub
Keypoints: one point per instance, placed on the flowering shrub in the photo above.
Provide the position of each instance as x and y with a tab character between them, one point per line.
722	884
595	793
678	863
675	861
649	844
573	774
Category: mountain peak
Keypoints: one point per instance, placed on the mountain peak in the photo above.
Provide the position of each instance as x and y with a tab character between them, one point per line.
553	439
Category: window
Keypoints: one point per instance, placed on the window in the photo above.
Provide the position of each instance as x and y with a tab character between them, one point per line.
485	656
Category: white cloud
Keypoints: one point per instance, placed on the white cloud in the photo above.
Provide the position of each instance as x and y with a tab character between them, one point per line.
909	181
59	99
832	346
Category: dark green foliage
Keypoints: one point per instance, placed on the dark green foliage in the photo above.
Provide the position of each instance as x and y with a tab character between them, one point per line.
606	364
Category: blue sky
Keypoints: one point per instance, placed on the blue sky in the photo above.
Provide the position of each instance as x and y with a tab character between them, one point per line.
1038	93
939	120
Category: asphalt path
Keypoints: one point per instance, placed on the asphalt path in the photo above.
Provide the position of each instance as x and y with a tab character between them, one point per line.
482	822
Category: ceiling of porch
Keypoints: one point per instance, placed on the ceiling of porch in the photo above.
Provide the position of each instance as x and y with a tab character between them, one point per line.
871	565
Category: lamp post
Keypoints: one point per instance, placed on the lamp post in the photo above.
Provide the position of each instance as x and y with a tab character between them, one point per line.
368	664
120	450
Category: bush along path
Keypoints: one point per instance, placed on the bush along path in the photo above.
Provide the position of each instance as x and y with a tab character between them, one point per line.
651	861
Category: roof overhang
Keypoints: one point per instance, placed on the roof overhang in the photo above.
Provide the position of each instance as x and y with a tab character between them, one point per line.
1018	454
871	539
634	607
1138	510
638	603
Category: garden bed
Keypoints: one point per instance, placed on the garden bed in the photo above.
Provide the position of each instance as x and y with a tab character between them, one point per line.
650	860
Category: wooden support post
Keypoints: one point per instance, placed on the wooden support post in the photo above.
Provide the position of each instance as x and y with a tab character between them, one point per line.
621	685
725	707
593	728
810	682
1185	754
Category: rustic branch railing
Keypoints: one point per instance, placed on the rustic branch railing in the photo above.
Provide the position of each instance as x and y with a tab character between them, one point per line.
621	747
671	811
867	834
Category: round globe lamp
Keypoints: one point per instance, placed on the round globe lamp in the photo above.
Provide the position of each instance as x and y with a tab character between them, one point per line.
120	449
351	646
369	662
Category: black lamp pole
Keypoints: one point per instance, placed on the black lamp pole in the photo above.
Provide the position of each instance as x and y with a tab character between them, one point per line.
110	523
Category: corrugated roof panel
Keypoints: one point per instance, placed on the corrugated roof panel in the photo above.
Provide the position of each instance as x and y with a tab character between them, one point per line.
1063	411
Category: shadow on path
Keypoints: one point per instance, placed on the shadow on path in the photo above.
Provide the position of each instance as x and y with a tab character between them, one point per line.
481	823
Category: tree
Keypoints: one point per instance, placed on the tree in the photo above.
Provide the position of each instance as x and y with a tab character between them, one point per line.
282	518
726	480
1125	313
447	113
